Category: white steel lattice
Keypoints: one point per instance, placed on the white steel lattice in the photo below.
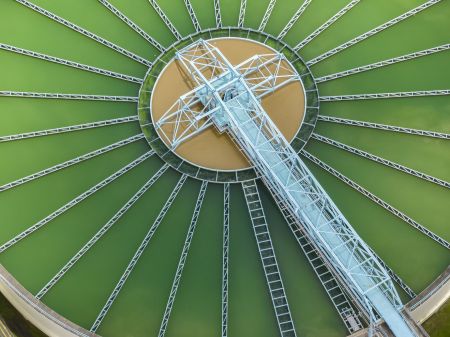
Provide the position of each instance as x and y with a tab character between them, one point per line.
217	13
225	253
47	95
294	19
402	94
165	19
242	10
267	15
191	12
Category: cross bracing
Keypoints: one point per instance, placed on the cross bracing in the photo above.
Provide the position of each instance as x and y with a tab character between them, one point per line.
267	15
403	94
75	201
85	32
47	95
385	127
132	25
268	259
381	160
100	233
140	249
372	32
327	24
242	10
71	162
182	261
165	19
322	270
70	63
192	15
383	63
237	110
294	19
376	199
225	254
70	128
217	13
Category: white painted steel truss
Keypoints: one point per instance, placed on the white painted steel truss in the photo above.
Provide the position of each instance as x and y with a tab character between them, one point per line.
70	128
70	63
377	200
372	32
191	12
327	24
268	259
294	19
71	162
142	246
132	25
75	201
84	97
85	32
182	261
111	222
230	103
217	13
267	15
403	94
225	254
381	160
242	10
165	19
383	63
385	127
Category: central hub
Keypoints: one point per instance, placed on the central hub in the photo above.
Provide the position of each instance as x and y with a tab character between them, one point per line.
211	148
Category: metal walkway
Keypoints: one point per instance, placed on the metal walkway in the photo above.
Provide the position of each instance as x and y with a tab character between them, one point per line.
229	96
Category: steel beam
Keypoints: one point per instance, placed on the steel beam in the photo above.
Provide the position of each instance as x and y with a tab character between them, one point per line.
165	19
182	261
85	32
267	15
66	129
242	13
217	13
381	160
403	94
372	32
225	254
191	12
84	97
71	162
385	127
74	202
111	222
383	63
132	25
139	251
294	19
376	199
327	24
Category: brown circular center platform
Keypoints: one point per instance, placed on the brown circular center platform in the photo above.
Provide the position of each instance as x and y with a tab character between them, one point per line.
210	149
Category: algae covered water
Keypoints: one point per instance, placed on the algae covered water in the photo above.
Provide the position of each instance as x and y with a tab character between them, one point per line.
137	311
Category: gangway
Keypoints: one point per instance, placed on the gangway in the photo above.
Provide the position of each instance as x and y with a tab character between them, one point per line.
230	98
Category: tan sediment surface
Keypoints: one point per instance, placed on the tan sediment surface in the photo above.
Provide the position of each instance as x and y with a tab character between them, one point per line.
210	149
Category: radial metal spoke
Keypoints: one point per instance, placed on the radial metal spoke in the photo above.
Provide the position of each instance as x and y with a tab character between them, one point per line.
71	162
242	10
138	253
69	63
46	95
75	201
166	19
384	63
70	128
191	12
268	259
372	32
376	199
101	232
294	19
132	25
327	24
380	160
226	245
385	95
267	15
182	261
385	127
217	13
85	32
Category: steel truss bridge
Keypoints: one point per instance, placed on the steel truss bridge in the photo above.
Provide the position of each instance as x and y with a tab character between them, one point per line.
229	98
